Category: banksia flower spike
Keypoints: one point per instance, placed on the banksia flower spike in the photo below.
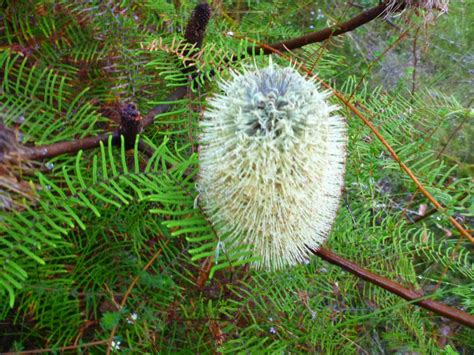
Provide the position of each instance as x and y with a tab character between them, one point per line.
272	157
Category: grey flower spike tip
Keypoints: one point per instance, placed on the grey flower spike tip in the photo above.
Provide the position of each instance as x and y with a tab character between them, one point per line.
272	161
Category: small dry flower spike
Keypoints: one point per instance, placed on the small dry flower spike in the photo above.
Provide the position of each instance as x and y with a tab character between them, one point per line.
272	155
429	6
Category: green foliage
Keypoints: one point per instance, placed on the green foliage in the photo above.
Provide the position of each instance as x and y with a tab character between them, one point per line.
94	220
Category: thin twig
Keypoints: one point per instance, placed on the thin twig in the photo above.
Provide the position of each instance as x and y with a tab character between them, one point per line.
129	291
422	217
447	266
453	134
415	63
324	46
400	38
395	288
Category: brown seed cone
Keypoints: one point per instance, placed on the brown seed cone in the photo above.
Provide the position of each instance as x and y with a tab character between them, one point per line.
197	24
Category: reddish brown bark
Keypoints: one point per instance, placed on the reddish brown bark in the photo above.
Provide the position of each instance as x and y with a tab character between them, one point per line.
395	288
326	33
69	147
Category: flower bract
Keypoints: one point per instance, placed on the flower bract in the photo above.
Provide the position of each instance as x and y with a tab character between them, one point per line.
272	156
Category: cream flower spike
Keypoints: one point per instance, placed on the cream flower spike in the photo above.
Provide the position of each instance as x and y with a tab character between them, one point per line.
272	157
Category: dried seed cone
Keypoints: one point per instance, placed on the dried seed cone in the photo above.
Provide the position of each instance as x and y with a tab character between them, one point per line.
200	17
272	157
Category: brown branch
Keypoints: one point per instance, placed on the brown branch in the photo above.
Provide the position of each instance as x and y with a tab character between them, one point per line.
69	147
395	288
386	6
325	34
